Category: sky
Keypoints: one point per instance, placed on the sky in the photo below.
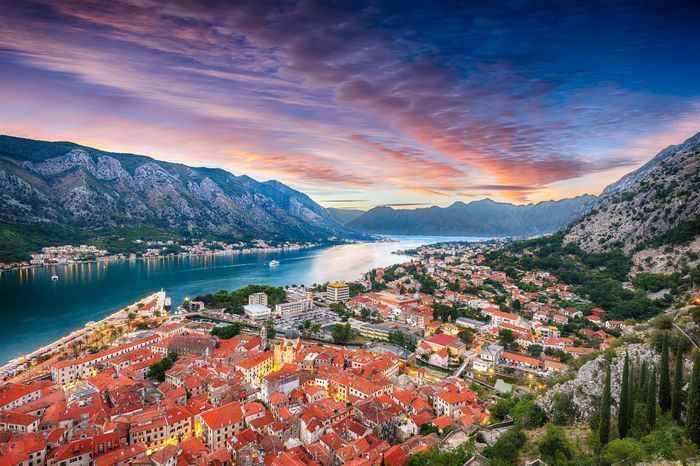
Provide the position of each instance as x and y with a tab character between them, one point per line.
363	103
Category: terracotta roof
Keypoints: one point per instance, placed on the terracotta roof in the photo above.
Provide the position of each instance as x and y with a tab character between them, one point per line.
225	415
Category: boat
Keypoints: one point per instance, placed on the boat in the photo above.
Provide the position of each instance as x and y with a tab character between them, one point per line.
54	277
274	263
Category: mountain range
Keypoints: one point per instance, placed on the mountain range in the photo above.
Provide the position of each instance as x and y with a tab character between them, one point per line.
64	187
477	218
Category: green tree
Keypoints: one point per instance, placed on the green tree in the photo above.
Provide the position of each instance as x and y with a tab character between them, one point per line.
623	412
270	326
157	370
434	456
505	450
534	350
341	333
506	338
604	428
622	452
564	410
676	403
664	378
651	401
642	393
226	332
692	416
554	447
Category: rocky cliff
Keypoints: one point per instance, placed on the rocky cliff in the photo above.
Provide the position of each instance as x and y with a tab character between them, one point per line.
79	187
652	213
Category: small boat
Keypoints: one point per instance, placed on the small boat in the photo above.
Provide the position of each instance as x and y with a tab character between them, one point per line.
274	263
54	277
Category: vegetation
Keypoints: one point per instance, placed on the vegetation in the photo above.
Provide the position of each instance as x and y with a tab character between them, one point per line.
604	428
681	234
233	302
434	457
664	379
677	400
505	450
692	418
157	370
270	327
651	401
623	419
342	333
227	331
595	275
402	339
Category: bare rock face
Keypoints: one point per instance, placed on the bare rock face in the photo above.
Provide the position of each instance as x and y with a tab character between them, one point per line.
80	187
109	168
73	159
659	197
587	388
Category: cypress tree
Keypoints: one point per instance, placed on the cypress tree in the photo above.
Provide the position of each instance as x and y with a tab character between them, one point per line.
642	394
692	415
651	401
632	393
677	386
664	378
623	411
604	429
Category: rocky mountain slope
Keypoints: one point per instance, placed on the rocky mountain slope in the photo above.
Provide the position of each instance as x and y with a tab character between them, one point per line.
477	218
79	187
652	213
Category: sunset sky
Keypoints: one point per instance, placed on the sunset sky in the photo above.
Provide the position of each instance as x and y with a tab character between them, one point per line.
362	103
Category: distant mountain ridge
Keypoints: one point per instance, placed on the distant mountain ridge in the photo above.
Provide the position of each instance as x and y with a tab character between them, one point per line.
79	187
477	218
652	213
344	216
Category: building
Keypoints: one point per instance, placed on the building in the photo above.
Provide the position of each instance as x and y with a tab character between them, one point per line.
192	344
14	395
256	311
258	298
294	308
70	370
219	424
282	381
453	345
337	292
255	367
491	355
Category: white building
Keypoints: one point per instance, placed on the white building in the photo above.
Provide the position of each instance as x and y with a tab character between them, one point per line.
257	311
258	298
294	308
337	292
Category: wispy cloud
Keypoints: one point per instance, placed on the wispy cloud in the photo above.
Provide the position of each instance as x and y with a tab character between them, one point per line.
518	99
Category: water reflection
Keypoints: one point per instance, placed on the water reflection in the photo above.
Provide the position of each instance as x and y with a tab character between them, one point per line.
39	310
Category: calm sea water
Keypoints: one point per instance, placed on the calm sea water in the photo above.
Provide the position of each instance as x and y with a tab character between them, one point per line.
35	310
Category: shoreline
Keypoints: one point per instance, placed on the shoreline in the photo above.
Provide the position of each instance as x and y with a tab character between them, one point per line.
126	258
63	343
114	315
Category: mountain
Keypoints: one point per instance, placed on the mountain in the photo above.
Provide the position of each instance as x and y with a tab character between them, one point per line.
477	218
75	188
344	216
652	213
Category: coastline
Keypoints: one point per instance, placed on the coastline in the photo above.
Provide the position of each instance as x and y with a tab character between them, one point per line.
125	258
342	258
117	318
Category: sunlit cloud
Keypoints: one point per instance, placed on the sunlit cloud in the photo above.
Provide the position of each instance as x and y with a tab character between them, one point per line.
519	101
